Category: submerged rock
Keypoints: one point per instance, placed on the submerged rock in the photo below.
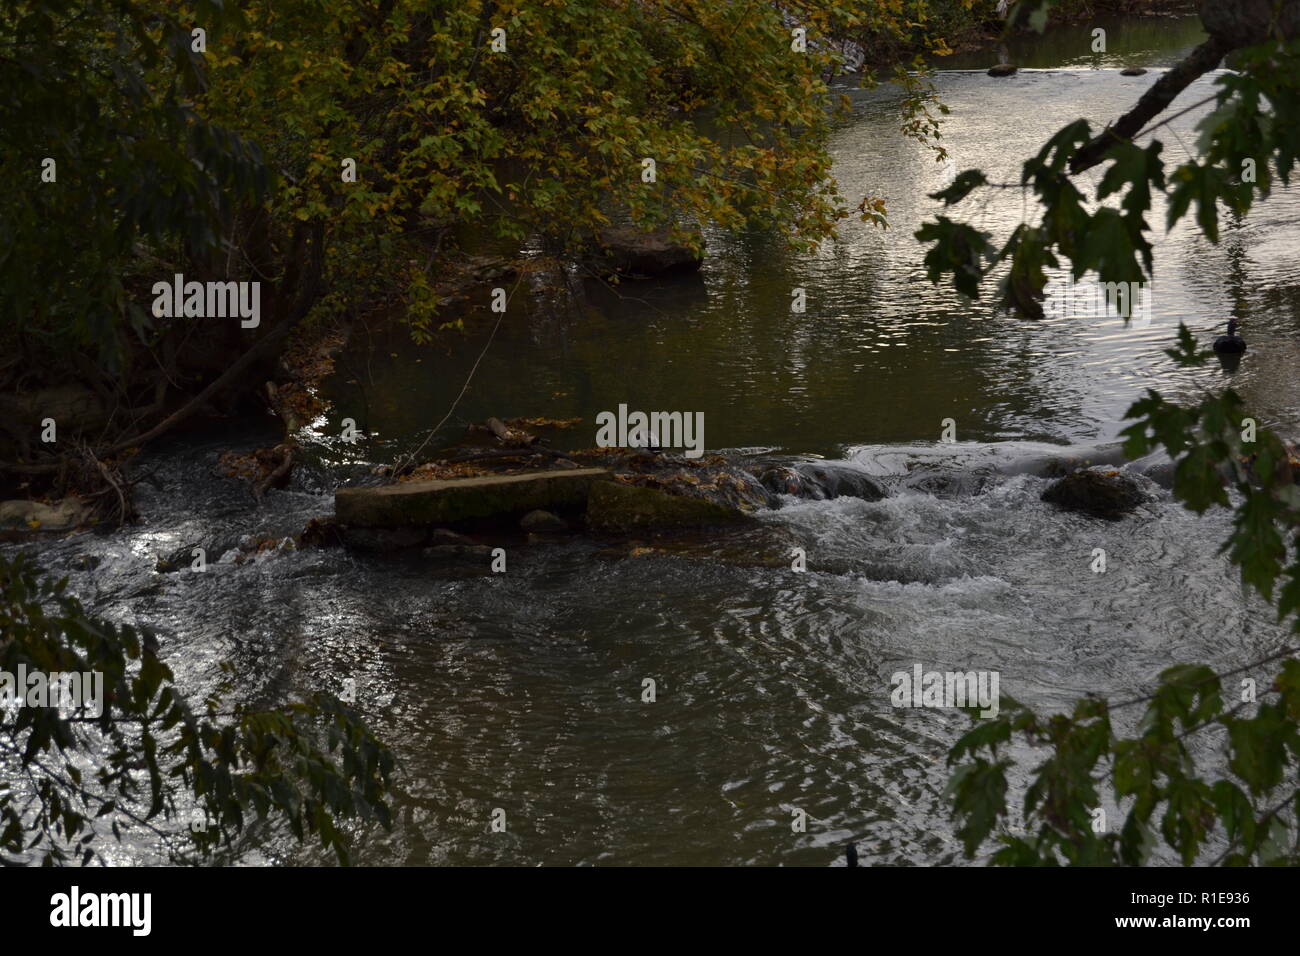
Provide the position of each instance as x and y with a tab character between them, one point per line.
627	251
842	481
363	538
542	522
183	557
1002	69
617	507
320	533
455	552
1133	71
785	480
445	536
1100	492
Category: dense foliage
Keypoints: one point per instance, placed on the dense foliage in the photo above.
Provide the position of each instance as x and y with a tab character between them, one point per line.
103	146
72	777
221	154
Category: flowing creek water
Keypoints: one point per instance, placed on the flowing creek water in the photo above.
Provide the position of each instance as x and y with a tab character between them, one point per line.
523	690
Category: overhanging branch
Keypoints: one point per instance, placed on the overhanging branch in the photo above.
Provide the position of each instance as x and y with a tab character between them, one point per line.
1154	101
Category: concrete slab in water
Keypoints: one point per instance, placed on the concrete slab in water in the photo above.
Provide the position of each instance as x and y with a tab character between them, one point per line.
447	502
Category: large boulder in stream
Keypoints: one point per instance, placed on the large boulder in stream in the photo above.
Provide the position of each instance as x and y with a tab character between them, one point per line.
629	252
622	508
821	481
1100	492
410	506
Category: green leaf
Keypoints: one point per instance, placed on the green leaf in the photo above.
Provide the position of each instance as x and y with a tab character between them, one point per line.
961	187
1204	185
959	249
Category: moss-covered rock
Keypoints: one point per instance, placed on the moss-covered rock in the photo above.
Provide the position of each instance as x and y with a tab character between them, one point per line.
629	252
1100	492
622	508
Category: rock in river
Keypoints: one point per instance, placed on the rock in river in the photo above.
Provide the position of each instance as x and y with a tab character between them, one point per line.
822	480
614	506
363	538
630	252
1100	492
542	522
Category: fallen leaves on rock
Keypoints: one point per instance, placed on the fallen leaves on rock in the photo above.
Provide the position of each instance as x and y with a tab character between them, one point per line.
437	471
543	422
250	466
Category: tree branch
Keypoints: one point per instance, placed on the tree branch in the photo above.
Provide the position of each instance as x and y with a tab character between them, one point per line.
1154	101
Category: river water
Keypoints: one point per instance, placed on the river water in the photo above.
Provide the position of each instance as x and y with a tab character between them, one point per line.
523	690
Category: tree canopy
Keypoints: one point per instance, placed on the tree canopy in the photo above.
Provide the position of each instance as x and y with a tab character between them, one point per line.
214	140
